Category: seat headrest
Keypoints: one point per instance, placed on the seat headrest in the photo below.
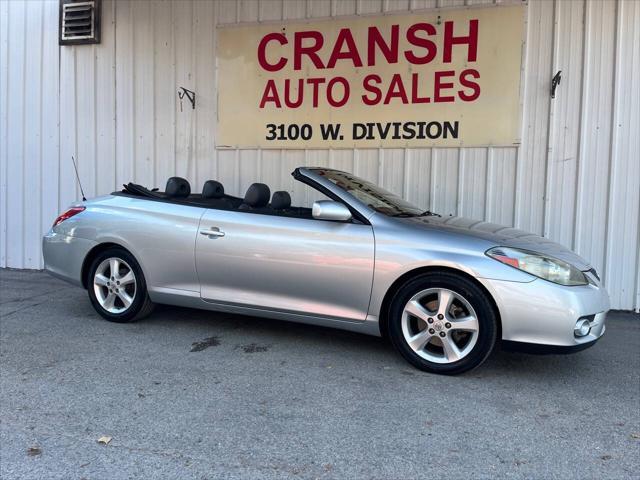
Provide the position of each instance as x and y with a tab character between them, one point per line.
257	195
177	187
212	189
281	200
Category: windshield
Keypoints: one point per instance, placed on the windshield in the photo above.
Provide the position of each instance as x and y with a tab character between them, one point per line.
372	195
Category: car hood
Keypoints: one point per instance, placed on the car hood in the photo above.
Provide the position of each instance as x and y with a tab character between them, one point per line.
501	236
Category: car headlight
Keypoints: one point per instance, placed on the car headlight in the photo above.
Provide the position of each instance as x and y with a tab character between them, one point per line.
540	265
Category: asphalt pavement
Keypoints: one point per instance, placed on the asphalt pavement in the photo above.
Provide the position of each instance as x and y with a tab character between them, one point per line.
194	394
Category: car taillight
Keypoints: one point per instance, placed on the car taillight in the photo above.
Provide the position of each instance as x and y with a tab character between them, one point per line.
68	214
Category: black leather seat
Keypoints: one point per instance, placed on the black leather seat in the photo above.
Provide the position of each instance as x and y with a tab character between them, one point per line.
212	189
177	187
281	201
257	197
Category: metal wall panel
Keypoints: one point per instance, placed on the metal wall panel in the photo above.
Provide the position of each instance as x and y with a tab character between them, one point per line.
15	124
575	177
622	228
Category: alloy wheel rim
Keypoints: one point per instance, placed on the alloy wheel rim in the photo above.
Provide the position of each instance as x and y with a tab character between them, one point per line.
440	325
114	285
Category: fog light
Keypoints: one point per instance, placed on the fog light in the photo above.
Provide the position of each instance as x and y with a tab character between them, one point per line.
582	328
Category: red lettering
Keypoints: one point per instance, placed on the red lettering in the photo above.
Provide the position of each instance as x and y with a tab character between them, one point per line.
270	94
299	50
287	93
367	84
471	40
375	39
396	90
330	95
345	38
315	83
262	55
439	86
474	86
414	39
415	98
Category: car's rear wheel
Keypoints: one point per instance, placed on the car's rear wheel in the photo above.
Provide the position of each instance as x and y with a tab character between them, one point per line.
117	287
442	322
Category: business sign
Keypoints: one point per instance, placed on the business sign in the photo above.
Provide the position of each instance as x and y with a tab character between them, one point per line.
441	78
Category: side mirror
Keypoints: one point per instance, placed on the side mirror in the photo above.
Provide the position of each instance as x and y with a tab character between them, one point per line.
328	210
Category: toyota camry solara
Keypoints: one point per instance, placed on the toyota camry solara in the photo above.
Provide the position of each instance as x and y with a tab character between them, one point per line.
445	290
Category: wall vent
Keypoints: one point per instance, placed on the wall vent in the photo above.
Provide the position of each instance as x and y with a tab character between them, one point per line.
79	22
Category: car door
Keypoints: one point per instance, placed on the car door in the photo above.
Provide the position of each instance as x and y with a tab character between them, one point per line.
296	265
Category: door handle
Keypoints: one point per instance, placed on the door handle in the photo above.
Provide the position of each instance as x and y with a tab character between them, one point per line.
213	232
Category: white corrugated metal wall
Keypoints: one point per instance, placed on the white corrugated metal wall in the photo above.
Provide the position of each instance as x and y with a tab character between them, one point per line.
575	178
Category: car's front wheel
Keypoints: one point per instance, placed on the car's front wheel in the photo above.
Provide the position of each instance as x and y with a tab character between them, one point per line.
117	287
442	322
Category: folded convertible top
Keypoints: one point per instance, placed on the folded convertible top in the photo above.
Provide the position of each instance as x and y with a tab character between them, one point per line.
135	189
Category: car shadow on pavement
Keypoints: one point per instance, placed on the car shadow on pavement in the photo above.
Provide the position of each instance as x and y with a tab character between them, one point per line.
260	331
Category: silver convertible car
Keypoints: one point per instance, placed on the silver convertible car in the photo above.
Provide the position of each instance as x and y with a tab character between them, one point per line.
444	290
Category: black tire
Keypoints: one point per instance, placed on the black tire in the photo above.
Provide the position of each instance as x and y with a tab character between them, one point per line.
140	307
477	298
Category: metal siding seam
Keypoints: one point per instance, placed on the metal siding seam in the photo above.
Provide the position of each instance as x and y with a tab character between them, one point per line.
41	131
432	179
193	133
216	15
50	119
610	163
115	93
523	117
586	50
606	272
24	133
132	87
600	181
236	171
95	120
154	160
551	127
252	13
294	10
59	95
32	136
636	34
68	184
75	119
114	97
175	78
637	302
205	77
458	183
622	231
460	186
141	75
405	171
4	127
487	180
380	180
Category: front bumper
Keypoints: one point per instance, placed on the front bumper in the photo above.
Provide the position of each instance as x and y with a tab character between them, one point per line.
539	349
64	256
543	313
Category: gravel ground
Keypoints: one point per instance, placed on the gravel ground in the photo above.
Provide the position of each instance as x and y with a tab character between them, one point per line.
192	394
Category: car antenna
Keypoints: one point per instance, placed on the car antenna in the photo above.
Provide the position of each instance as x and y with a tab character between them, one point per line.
75	167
